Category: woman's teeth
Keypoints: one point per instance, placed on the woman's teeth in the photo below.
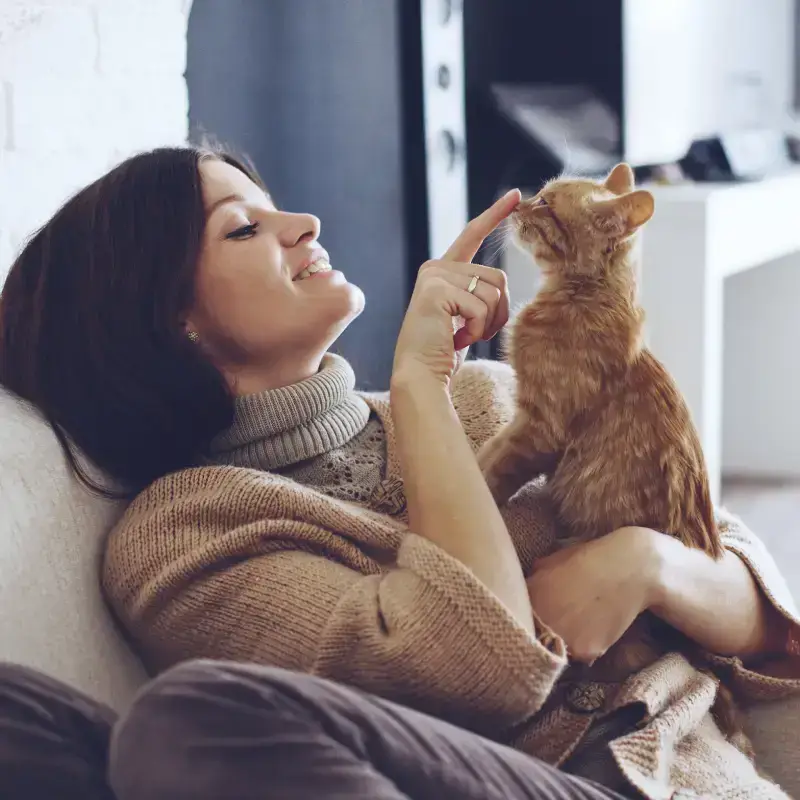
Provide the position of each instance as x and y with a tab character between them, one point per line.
321	265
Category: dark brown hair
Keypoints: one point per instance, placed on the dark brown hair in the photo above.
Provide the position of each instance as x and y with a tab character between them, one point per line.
91	322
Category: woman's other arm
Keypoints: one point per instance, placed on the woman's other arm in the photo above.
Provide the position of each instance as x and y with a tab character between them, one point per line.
590	593
718	604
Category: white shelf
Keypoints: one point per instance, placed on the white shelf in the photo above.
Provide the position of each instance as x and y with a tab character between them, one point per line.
747	223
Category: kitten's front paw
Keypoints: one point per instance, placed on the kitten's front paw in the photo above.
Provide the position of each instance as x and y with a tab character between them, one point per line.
491	460
501	491
484	458
499	494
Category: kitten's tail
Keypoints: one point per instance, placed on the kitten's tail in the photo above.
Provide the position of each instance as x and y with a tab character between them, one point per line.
693	511
707	536
712	543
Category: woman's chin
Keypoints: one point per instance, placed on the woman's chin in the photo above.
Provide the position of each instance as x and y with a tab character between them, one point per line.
357	300
347	300
354	311
332	286
352	302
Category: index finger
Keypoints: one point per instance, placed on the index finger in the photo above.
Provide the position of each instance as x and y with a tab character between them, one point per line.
471	238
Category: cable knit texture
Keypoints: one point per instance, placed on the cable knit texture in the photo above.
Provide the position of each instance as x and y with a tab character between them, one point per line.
242	564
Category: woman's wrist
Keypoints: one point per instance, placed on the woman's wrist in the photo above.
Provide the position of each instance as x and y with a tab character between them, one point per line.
653	563
410	376
663	564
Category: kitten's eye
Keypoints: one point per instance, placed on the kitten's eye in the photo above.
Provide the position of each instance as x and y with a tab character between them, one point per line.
540	201
245	232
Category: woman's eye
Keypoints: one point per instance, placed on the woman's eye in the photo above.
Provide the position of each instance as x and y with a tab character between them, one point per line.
245	232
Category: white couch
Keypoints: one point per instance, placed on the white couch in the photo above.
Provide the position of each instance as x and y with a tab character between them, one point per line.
51	613
52	616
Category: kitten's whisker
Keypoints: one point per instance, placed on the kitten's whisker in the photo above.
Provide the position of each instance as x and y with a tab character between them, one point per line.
567	159
492	254
499	233
497	242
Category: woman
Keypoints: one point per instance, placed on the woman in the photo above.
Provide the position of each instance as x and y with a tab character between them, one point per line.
171	315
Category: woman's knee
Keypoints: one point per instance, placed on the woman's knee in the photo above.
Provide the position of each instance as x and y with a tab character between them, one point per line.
177	719
53	739
200	686
185	697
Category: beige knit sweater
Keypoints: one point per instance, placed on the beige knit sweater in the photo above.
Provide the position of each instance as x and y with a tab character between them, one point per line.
235	563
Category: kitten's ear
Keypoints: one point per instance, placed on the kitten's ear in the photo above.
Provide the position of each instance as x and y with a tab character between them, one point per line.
621	216
620	180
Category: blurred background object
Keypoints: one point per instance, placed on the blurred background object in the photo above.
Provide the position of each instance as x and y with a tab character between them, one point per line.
653	77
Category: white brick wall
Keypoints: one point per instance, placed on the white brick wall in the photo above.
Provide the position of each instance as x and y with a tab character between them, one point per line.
83	84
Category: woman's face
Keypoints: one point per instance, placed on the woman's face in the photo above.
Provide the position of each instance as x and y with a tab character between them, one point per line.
267	304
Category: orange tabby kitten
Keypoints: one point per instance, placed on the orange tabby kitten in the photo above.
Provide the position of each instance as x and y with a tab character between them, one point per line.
596	411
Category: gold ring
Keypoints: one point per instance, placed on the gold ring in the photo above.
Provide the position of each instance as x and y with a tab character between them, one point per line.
473	284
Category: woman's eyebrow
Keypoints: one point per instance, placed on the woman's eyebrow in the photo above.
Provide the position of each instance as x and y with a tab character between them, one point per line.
229	198
232	198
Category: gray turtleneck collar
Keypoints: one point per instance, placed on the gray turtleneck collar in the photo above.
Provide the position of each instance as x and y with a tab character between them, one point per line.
280	427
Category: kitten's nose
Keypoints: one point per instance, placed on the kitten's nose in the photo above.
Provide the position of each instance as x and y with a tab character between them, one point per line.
522	210
529	203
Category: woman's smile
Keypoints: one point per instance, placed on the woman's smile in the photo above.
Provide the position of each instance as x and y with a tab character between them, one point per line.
324	273
318	264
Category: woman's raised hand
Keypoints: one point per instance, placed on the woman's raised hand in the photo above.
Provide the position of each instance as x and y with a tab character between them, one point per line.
428	343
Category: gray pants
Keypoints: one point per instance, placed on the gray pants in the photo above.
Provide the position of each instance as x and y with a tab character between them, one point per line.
220	731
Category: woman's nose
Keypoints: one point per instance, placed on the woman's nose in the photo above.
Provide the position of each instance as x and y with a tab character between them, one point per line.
298	228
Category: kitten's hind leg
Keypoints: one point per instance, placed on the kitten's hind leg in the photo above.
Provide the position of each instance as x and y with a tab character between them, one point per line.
510	459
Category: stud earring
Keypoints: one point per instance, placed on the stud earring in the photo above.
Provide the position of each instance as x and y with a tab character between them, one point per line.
193	337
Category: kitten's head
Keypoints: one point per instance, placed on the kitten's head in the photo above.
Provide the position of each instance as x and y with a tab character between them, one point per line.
572	226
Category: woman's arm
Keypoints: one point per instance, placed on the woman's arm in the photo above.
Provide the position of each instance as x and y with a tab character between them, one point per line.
278	579
590	593
718	604
448	500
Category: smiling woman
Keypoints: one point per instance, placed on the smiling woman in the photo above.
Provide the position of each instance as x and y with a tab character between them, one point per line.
258	318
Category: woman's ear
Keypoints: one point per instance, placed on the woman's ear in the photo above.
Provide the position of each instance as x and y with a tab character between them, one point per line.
621	216
620	180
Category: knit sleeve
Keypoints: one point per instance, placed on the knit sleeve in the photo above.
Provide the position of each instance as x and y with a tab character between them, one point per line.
776	677
288	593
430	626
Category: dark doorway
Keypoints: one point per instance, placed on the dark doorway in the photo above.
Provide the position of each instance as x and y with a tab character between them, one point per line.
311	90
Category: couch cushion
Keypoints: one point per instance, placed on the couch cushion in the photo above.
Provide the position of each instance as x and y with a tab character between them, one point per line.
52	616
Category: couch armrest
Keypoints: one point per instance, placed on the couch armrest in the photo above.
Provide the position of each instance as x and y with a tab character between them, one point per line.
773	729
